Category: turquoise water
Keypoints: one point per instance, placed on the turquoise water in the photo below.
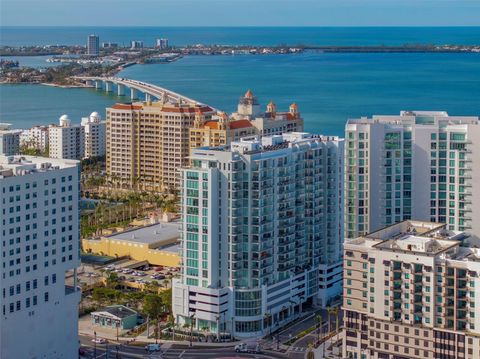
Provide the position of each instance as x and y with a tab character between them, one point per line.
17	36
32	61
329	88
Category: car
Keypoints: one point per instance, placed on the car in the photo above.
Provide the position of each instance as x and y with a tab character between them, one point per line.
152	347
99	340
248	348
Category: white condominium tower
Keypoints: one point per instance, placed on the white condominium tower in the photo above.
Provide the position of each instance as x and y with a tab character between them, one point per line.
39	240
95	135
420	165
66	140
262	224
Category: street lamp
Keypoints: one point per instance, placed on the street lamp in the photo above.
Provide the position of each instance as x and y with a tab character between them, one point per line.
319	320
191	328
217	319
95	344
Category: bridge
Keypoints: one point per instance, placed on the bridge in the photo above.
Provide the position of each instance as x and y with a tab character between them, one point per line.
151	92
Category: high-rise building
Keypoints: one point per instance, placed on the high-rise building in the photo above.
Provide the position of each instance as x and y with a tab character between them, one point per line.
162	44
9	140
420	165
39	238
66	140
93	44
136	44
35	138
95	135
148	142
261	233
248	121
411	291
271	122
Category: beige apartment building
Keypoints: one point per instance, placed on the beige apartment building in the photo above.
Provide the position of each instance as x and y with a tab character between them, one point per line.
147	142
411	290
249	120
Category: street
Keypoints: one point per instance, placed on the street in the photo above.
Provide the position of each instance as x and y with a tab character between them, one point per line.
130	351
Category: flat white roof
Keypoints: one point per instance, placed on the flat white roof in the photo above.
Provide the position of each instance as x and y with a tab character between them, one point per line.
149	234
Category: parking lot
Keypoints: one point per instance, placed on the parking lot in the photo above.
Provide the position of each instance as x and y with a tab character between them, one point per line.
127	271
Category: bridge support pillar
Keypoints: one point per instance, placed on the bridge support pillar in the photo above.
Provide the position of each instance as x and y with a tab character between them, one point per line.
120	90
133	94
148	97
89	83
108	86
98	85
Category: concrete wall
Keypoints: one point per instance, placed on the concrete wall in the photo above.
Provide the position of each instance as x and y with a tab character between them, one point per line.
137	252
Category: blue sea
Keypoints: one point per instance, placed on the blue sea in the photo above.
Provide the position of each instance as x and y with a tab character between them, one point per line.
179	36
329	88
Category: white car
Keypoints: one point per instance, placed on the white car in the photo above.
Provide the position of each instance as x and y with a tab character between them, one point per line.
99	340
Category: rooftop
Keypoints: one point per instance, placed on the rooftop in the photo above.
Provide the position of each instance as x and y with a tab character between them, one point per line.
417	118
11	166
151	234
119	311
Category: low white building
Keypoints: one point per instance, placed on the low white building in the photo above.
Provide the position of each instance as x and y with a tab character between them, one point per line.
39	238
66	140
95	135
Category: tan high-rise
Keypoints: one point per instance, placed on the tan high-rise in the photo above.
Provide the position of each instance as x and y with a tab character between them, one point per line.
411	290
148	142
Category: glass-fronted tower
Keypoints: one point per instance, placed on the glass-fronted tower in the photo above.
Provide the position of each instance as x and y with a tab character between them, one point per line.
262	225
419	165
93	44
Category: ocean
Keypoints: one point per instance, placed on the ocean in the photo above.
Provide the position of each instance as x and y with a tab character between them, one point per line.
179	36
329	88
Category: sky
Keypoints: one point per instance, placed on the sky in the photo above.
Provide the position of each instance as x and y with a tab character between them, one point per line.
240	12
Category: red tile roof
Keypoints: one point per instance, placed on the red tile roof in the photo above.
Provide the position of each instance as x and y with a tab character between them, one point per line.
126	106
234	125
213	125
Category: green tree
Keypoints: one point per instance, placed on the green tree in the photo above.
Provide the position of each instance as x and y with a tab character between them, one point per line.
154	308
112	280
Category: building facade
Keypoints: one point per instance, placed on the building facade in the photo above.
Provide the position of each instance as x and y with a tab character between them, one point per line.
418	165
40	243
93	44
95	135
411	291
65	140
271	122
35	138
162	44
261	233
147	143
247	121
9	140
219	131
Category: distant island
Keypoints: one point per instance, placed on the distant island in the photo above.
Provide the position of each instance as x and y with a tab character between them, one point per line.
111	60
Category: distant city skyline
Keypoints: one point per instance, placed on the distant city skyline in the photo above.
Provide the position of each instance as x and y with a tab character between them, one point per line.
240	13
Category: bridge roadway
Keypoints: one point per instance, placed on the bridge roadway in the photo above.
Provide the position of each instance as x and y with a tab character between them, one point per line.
150	90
